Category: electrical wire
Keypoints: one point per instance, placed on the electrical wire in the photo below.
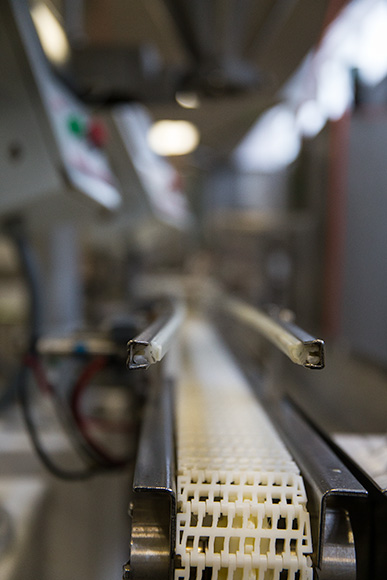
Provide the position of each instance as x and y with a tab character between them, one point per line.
98	461
13	229
79	441
47	461
81	384
8	393
96	458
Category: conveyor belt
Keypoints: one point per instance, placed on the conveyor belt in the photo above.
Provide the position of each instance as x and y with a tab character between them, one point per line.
241	499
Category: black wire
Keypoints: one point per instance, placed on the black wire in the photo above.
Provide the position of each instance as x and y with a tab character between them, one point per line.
13	228
103	457
19	386
53	468
8	395
67	422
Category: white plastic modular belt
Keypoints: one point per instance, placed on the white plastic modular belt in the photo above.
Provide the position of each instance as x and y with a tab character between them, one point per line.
241	499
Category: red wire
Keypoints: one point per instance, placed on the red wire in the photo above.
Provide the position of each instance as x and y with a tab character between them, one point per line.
83	381
91	369
96	365
40	376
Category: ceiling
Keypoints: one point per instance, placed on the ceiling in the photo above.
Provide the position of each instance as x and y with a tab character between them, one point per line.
235	54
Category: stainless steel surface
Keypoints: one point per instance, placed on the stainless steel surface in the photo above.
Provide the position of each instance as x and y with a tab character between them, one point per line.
28	165
44	159
298	345
150	549
153	343
137	346
337	501
314	347
154	491
340	399
339	554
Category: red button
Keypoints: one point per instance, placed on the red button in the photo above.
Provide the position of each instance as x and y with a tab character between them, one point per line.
97	133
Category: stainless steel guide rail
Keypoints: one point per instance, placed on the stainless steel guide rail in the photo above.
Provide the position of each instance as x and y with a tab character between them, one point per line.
302	348
152	344
153	507
338	503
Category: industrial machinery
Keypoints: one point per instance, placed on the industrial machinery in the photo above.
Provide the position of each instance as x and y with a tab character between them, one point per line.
230	501
40	115
154	210
186	429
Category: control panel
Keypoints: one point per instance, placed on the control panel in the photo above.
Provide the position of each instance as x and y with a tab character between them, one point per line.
50	144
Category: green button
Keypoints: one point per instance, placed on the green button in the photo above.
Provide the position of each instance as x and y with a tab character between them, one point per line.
77	126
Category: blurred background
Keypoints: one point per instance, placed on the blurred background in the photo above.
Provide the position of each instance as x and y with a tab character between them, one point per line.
158	144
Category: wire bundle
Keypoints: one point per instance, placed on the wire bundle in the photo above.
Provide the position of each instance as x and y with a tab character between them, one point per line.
70	414
69	411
